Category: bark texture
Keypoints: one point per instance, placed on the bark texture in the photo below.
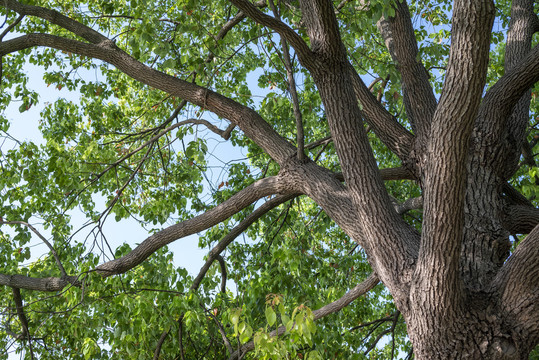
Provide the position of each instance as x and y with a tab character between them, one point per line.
461	297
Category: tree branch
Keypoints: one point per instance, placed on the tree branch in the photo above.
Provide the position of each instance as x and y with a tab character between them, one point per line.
54	17
236	231
222	266
160	344
51	248
22	318
385	126
419	100
20	311
409	204
361	289
236	203
39	284
11	26
517	284
301	48
504	112
520	219
445	182
250	122
392	255
300	143
373	212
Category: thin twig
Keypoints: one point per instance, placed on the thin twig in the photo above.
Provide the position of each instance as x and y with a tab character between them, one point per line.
11	26
54	253
292	89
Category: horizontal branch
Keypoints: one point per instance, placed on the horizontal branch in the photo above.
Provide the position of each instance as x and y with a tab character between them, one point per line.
40	284
409	204
520	219
399	173
361	289
239	201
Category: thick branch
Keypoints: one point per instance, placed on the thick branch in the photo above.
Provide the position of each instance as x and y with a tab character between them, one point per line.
399	37
391	256
371	208
361	289
245	118
503	118
236	203
410	204
520	219
437	276
54	17
508	90
40	284
385	126
400	173
323	28
519	289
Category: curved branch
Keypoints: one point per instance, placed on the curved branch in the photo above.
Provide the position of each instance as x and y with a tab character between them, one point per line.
302	50
160	344
11	26
359	290
519	289
236	231
20	311
39	284
494	119
236	203
222	266
519	41
250	122
54	17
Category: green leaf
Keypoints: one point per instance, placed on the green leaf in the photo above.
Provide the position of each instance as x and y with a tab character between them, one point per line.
270	315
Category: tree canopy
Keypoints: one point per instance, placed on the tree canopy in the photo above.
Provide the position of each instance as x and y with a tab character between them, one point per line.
361	173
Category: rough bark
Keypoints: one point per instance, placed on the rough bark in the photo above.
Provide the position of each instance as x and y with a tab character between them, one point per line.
419	100
459	294
436	295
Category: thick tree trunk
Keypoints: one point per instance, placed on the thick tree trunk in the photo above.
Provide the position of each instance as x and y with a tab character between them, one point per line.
478	333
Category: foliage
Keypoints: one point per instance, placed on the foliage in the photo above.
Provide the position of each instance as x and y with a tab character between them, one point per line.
112	149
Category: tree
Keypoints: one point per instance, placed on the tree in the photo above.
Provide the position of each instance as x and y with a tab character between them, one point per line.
447	123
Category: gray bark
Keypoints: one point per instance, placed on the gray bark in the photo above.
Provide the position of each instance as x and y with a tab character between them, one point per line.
459	294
